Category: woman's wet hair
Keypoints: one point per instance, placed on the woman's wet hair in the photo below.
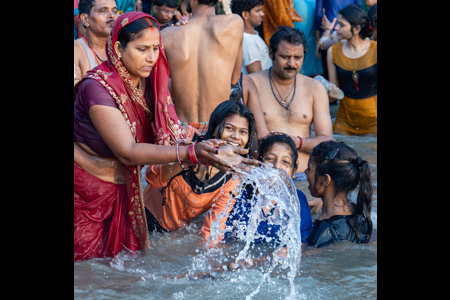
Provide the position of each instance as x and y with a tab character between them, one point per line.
134	30
347	170
225	110
279	138
356	15
291	35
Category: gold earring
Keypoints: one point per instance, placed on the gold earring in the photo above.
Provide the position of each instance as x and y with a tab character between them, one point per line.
119	55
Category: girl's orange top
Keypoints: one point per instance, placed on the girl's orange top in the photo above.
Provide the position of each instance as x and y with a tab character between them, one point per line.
184	202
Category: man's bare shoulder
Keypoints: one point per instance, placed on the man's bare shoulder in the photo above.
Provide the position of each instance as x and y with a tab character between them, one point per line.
257	76
311	83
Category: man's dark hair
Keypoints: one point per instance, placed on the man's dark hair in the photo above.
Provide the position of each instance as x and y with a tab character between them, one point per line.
85	6
208	2
239	6
291	35
168	3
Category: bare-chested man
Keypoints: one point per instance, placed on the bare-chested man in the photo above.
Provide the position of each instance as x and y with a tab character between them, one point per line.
98	18
205	58
291	101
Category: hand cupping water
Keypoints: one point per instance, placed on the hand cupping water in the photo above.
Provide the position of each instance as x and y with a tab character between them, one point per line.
219	154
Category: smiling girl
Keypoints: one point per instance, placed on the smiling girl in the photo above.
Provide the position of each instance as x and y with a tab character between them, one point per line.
174	196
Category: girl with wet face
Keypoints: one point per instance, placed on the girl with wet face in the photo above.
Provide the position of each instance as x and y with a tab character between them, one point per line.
276	149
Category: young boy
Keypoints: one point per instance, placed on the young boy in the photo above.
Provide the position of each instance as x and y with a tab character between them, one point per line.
255	51
164	12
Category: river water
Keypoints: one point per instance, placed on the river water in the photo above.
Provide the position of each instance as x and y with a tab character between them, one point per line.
341	271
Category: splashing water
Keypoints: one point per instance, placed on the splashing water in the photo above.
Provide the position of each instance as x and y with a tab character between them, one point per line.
276	191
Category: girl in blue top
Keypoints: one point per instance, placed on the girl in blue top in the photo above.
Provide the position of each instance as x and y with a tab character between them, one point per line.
279	150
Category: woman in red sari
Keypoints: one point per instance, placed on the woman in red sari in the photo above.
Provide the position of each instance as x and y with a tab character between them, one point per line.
124	116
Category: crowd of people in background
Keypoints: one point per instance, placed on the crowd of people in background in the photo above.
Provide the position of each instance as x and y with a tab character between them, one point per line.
167	84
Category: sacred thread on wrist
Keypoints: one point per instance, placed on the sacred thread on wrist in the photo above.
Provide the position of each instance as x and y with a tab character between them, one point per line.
301	143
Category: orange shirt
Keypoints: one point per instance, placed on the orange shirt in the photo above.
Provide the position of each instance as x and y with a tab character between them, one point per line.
182	203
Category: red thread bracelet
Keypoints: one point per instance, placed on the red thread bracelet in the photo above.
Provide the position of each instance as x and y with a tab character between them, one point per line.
301	143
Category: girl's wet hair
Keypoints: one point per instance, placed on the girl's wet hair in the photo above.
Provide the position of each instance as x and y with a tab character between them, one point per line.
356	15
279	138
134	30
225	110
347	170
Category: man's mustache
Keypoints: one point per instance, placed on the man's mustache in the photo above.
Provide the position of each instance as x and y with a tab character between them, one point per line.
290	69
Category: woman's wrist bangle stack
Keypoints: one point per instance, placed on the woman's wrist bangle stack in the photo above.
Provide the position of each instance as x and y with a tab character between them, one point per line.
192	155
180	161
301	143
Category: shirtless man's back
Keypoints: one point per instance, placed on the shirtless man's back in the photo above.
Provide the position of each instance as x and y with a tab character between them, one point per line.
205	58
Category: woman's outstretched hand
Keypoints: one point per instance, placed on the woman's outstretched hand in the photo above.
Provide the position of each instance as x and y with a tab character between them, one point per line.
219	154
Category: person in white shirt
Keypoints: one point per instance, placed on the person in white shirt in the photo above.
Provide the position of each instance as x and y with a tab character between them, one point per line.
255	51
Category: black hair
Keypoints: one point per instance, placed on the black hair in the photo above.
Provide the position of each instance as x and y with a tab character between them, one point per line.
278	137
372	14
223	111
133	30
85	6
208	2
168	3
347	170
356	15
291	35
239	6
217	122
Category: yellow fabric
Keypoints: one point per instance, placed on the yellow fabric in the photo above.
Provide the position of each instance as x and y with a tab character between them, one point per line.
278	13
356	116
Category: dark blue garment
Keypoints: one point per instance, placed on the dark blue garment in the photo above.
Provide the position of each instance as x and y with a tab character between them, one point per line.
354	228
332	7
239	215
147	6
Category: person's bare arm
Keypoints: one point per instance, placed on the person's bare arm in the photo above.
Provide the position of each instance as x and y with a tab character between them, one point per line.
251	99
254	67
332	76
321	119
123	145
238	64
77	62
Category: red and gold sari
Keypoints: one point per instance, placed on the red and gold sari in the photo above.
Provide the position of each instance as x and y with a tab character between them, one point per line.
110	217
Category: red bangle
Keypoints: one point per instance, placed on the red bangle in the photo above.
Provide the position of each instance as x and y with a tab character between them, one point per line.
192	155
301	143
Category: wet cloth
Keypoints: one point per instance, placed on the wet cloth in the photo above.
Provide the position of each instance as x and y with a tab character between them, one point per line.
353	228
184	198
239	215
200	127
278	13
237	93
118	218
357	113
102	226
